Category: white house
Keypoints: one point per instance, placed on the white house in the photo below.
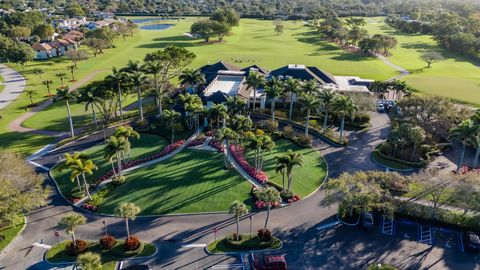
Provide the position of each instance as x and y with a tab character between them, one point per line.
43	51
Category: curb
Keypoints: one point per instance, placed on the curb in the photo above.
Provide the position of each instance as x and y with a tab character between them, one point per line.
389	168
348	224
245	251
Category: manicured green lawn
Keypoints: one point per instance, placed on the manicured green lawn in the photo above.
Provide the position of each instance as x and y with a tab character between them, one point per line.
456	77
189	182
9	233
306	179
57	253
145	146
1	84
244	245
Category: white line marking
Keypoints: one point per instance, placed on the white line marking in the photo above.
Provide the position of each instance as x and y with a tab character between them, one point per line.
329	225
227	266
41	245
195	246
38	165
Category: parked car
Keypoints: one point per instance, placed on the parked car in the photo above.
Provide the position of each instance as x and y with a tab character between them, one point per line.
471	241
381	107
138	267
269	262
367	220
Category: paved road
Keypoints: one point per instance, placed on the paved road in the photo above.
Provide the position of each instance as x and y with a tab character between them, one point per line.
296	224
14	85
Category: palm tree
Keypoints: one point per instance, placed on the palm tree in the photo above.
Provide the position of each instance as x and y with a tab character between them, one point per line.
138	79
288	161
310	102
61	75
72	68
310	87
193	106
114	147
326	96
127	210
70	161
266	144
132	66
127	132
89	98
118	77
273	91
217	111
81	167
89	261
31	93
191	77
154	68
235	105
417	136
344	105
170	117
269	195
468	134
226	134
47	84
255	80
281	168
69	96
70	222
291	86
238	209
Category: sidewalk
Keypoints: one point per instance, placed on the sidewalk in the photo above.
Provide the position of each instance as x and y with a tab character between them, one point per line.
14	82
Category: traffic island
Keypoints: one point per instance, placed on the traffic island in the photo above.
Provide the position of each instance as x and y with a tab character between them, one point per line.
244	243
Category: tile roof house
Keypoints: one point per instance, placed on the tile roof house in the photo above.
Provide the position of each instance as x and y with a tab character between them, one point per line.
55	48
43	51
74	35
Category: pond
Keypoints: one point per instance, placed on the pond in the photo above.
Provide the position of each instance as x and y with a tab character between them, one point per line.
157	26
144	20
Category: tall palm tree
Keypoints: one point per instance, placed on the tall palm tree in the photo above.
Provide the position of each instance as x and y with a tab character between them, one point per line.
255	80
132	66
72	69
288	161
70	161
118	77
154	68
114	147
47	83
138	79
192	78
235	105
127	210
269	195
31	93
70	222
89	98
81	167
69	96
61	75
326	96
344	105
266	144
281	168
273	91
291	86
310	87
468	134
89	261
217	111
226	134
310	102
127	132
170	117
238	209
193	106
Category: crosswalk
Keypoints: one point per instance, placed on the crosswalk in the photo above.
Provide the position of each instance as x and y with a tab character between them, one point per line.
387	226
425	235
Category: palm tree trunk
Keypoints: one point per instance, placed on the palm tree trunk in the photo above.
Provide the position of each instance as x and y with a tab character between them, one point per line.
459	165
272	109
477	155
289	181
238	226
70	121
254	99
74	240
291	107
94	116
414	150
78	183
140	107
120	102
128	229
325	118
307	122
86	186
173	132
119	164
113	168
342	125
268	216
283	180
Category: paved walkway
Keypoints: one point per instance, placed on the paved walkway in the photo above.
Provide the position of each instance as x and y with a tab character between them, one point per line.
403	72
14	82
16	125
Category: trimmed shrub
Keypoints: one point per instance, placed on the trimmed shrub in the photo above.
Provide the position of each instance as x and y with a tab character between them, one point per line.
119	180
107	242
264	235
81	247
132	243
303	140
289	132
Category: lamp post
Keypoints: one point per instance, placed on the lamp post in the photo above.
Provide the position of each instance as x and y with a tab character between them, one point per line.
105	227
57	234
215	230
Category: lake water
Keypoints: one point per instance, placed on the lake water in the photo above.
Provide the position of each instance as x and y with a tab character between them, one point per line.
144	20
157	26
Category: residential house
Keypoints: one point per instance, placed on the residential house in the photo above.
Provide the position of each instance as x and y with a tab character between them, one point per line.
74	35
70	23
43	51
53	49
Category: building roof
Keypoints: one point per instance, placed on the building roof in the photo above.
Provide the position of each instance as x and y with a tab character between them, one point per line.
75	33
256	68
303	73
211	71
41	47
217	97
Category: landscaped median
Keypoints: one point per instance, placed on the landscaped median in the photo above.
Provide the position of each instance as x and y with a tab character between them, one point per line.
245	242
59	254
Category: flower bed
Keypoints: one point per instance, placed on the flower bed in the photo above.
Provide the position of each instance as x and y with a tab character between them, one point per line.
467	169
217	145
89	207
196	142
238	155
167	150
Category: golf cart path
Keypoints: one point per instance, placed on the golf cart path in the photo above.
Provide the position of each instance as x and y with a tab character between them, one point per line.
16	125
14	82
403	72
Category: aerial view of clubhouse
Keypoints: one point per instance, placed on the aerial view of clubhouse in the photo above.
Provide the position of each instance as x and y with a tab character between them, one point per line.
223	80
